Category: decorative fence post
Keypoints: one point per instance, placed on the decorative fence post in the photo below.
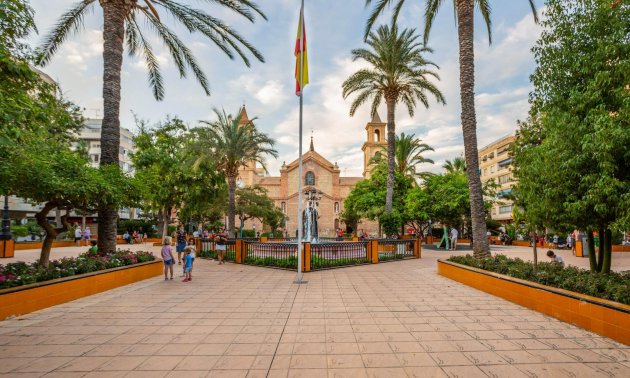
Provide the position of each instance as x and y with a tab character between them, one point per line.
417	249
238	248
374	249
198	245
307	257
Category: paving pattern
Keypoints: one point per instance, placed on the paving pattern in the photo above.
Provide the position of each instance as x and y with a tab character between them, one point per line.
396	319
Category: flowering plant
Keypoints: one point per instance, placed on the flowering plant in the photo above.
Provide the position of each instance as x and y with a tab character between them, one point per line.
21	273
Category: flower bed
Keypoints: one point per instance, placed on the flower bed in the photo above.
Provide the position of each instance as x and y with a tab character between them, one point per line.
613	286
21	273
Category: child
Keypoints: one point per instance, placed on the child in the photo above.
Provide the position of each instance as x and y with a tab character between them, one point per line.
190	247
188	264
167	256
555	258
93	249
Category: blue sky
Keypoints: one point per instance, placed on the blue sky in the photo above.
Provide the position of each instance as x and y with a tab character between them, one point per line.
334	28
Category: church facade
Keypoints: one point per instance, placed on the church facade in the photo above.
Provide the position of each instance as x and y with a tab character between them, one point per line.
320	173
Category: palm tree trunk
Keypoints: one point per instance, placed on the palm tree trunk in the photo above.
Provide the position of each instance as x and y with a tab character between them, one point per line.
113	37
391	154
465	11
231	204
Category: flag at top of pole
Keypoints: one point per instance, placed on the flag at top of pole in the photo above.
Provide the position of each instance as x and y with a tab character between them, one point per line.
301	56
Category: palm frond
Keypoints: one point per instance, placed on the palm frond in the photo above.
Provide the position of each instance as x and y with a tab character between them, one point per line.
155	77
69	22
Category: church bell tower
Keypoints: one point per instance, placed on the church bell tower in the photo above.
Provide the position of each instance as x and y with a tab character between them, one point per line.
375	142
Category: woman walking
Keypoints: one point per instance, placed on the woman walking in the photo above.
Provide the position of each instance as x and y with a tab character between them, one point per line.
221	241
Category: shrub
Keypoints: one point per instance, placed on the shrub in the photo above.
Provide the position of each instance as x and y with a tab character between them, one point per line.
612	286
21	273
390	222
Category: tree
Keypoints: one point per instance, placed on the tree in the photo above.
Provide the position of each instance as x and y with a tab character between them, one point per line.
252	202
464	13
571	157
409	150
457	165
231	144
120	24
397	73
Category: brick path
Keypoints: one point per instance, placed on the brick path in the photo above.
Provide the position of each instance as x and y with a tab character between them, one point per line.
391	319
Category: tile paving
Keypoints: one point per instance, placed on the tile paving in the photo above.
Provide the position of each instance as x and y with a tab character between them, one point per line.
388	320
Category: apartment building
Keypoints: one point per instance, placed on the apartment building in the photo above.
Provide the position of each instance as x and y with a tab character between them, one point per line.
495	163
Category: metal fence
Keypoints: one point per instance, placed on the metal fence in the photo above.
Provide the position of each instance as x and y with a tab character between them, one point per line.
279	255
330	255
396	249
208	249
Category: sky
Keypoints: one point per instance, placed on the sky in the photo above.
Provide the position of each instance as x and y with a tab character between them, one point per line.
334	28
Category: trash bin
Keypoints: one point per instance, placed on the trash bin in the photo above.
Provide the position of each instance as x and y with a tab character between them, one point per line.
585	248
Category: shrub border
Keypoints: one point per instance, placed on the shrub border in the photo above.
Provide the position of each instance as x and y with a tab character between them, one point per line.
20	300
604	317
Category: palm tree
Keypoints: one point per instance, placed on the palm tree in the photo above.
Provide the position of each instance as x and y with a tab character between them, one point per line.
409	150
121	24
231	145
397	73
458	165
464	13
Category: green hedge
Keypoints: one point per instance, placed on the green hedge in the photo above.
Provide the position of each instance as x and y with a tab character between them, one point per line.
613	286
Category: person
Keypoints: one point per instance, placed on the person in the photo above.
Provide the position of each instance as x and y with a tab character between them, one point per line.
93	249
167	257
205	234
555	258
569	242
77	236
555	241
221	239
191	248
181	244
87	235
137	237
196	234
454	235
489	236
188	265
127	237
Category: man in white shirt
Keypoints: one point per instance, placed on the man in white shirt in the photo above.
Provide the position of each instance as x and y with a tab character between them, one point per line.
77	236
454	235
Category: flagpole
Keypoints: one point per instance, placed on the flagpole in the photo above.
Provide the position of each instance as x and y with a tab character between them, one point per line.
300	275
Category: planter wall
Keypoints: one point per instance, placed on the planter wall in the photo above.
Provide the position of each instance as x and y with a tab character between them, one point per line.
38	245
607	318
28	298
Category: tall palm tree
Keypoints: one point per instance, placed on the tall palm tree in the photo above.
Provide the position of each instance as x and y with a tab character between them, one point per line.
397	73
464	13
457	165
409	150
121	24
231	145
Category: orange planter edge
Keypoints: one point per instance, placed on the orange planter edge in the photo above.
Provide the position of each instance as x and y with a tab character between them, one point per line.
607	318
24	299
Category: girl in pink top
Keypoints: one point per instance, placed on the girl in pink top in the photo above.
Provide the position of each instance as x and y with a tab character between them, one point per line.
167	257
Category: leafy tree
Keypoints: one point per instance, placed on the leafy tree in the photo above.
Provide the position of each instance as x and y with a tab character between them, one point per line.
164	160
464	14
121	24
573	156
252	202
230	145
409	150
397	73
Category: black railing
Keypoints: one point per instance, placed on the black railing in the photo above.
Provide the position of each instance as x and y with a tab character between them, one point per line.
330	255
209	249
395	249
279	255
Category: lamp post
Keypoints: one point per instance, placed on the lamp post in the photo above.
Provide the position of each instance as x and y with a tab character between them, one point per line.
6	222
254	227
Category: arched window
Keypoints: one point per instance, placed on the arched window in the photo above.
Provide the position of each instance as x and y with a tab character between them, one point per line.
283	205
377	135
309	179
336	207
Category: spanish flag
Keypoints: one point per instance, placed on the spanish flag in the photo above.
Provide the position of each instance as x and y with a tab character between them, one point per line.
301	56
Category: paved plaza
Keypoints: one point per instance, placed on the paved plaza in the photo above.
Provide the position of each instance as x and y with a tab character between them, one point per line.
392	320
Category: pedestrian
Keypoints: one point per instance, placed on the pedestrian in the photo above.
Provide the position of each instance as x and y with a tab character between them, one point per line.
555	258
196	234
181	244
190	248
87	235
221	240
454	235
569	242
188	265
167	257
77	235
205	234
127	237
555	241
93	249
